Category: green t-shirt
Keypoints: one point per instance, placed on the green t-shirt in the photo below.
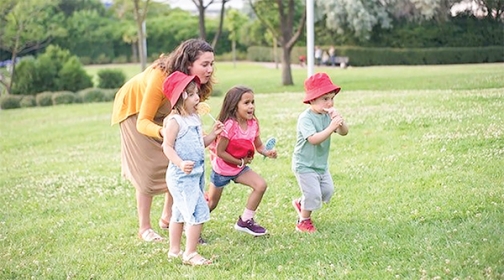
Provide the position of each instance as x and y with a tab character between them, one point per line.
308	157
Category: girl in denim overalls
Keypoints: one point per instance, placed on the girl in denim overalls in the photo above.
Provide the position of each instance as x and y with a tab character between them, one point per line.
184	145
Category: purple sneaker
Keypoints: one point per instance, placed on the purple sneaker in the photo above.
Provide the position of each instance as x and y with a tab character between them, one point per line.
250	227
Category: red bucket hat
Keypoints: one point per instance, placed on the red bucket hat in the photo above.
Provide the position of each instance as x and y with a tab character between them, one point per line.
175	84
317	85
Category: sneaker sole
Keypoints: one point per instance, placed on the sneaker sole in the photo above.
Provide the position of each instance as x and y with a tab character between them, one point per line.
305	231
246	230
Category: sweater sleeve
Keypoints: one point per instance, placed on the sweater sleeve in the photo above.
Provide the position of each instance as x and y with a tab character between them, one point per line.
151	102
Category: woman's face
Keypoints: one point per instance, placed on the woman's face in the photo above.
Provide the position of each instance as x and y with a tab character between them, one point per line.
203	67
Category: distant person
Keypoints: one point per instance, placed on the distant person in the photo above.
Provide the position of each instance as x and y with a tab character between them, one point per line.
325	58
185	175
302	60
233	151
332	56
139	108
318	55
313	140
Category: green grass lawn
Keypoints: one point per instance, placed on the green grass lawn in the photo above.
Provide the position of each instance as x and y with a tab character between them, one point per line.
419	186
268	79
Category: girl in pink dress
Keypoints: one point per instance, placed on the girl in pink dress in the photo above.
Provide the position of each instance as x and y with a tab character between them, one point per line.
232	152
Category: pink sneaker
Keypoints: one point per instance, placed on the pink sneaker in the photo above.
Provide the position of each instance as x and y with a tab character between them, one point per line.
306	226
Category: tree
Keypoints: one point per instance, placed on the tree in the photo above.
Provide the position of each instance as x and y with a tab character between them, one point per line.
26	26
140	12
235	20
200	5
280	19
493	9
357	17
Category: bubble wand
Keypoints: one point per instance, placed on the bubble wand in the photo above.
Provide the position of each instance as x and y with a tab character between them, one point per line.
270	144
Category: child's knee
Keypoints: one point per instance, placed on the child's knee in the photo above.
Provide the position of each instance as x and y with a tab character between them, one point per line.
212	203
261	187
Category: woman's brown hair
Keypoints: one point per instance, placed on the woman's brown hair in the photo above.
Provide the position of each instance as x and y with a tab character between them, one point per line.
183	57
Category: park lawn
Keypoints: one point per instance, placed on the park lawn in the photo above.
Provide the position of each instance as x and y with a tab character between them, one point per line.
267	79
419	193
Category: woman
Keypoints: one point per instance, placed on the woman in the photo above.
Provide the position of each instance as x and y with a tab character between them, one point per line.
139	108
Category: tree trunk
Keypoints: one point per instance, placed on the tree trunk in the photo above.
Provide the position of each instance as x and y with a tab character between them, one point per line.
202	30
233	46
13	72
286	67
134	52
141	49
221	21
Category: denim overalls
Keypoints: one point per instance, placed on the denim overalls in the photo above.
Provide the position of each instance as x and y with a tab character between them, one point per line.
189	205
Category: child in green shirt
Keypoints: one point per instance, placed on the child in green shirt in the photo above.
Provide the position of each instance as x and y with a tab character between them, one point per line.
309	162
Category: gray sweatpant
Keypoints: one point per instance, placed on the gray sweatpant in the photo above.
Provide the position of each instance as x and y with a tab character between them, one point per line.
316	188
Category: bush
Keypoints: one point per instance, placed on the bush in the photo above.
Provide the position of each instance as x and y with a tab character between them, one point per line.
27	101
92	95
24	80
217	92
10	101
63	97
54	70
111	78
86	60
44	99
120	59
73	77
109	94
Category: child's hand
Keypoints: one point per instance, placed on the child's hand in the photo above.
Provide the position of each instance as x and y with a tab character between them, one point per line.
218	127
336	122
270	153
248	160
187	166
332	112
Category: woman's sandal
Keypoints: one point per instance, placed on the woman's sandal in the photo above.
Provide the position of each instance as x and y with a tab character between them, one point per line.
150	235
175	255
191	261
164	224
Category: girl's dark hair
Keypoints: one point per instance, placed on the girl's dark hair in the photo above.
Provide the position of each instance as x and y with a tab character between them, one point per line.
230	102
183	57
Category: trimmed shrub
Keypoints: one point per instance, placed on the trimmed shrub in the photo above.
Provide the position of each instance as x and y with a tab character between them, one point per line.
111	78
10	101
73	77
109	94
78	98
120	59
27	101
217	92
44	99
90	95
63	97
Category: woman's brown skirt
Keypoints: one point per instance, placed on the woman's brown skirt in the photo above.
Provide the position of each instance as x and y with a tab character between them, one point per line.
143	162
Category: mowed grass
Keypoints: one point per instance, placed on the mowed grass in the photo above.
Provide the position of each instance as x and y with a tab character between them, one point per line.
419	187
265	78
